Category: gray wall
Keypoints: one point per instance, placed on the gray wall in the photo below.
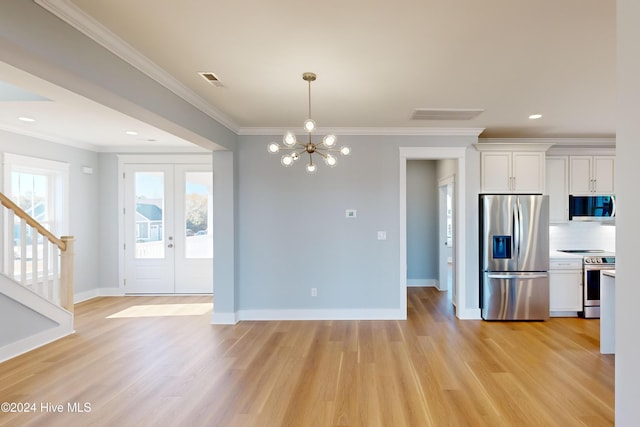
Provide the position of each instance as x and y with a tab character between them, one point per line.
293	234
422	220
24	321
84	198
108	247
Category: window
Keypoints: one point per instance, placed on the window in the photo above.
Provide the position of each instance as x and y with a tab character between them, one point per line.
40	188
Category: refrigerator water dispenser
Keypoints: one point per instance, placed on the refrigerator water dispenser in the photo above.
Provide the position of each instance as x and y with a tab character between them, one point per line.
501	247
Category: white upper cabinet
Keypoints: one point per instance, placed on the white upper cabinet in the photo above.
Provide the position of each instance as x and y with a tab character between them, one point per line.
591	175
511	171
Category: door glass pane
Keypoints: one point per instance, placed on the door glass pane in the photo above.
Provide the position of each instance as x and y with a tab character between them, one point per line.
199	238
149	191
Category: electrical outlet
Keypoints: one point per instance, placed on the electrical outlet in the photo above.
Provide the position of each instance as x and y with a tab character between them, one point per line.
314	292
382	235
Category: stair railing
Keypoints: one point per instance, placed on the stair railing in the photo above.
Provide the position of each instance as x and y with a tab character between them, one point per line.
41	262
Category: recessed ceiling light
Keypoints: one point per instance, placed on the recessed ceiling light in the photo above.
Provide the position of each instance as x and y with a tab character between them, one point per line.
26	119
131	132
535	116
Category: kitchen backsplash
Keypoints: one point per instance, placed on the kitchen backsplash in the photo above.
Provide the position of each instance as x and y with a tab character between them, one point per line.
582	235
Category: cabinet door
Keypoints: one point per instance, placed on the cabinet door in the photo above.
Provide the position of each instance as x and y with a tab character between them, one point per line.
528	172
495	170
580	175
565	290
557	188
603	173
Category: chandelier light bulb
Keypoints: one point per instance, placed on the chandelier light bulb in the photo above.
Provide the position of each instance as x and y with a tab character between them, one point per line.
329	141
311	168
330	160
295	156
274	148
289	139
286	160
309	125
345	151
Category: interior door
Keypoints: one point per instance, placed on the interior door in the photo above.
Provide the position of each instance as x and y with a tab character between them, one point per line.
168	241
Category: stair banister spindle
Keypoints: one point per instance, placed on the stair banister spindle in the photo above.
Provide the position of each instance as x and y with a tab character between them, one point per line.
46	289
34	262
23	252
10	257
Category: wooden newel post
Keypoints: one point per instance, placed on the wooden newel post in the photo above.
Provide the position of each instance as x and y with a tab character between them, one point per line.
66	273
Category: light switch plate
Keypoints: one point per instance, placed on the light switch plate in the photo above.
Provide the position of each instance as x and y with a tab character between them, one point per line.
351	213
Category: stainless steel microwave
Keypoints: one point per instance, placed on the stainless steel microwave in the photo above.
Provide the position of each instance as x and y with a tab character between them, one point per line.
592	208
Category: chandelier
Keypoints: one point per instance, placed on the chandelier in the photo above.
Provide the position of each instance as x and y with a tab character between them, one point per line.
294	149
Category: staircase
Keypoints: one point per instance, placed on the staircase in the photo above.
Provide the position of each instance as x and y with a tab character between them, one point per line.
36	283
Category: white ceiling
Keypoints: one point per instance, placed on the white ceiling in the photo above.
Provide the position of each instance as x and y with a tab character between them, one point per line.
376	61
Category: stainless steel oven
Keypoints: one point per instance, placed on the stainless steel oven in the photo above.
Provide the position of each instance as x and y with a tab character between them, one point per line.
592	266
593	262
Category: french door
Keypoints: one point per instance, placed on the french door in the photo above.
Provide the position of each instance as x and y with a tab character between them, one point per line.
168	235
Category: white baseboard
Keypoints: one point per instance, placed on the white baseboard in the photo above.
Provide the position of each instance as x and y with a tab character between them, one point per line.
422	283
97	292
27	344
319	314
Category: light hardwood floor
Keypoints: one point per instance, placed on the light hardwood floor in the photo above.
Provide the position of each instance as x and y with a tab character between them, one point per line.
430	370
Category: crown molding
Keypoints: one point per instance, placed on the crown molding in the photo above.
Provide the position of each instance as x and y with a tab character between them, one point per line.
78	19
555	142
372	131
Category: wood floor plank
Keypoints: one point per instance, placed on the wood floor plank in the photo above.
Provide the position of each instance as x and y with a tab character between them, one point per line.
175	368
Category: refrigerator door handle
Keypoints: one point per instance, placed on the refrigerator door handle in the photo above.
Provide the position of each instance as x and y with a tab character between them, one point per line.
516	230
518	276
520	231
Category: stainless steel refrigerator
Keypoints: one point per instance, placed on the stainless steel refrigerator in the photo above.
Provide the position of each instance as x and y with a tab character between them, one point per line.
514	256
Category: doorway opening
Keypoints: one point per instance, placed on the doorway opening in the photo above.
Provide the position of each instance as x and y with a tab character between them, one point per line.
458	155
430	216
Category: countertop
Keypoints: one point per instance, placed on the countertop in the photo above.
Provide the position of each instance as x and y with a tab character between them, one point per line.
564	255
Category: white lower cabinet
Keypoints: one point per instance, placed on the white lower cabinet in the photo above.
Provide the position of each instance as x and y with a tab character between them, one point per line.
565	292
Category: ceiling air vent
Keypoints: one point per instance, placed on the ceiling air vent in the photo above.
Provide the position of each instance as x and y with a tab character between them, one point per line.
211	78
445	114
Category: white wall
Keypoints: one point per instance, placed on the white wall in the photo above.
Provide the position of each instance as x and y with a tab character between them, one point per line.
445	168
627	224
582	235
